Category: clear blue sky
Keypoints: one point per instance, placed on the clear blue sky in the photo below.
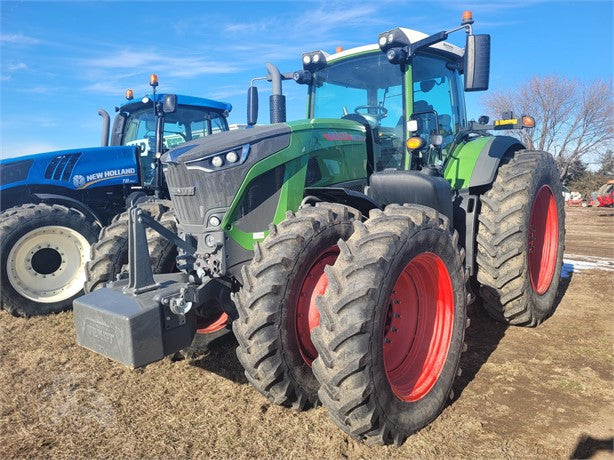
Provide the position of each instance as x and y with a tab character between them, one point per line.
61	61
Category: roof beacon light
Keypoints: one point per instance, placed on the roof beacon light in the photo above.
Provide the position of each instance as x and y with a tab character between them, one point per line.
339	49
153	80
129	94
467	18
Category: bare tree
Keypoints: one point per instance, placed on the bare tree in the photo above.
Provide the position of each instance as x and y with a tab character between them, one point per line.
572	120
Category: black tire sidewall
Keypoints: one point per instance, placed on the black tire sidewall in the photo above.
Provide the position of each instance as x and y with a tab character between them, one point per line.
411	416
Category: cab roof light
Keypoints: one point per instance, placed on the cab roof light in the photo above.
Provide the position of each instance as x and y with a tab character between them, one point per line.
153	80
314	61
129	94
394	38
339	49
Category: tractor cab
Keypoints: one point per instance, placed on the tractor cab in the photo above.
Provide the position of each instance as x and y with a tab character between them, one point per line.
168	119
419	98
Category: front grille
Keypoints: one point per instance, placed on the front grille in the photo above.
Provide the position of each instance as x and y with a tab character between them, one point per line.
187	207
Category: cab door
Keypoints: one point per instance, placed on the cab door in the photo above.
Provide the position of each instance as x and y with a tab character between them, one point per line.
437	104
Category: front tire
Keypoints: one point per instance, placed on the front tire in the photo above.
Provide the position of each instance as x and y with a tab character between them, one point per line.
521	239
275	304
110	254
392	324
43	252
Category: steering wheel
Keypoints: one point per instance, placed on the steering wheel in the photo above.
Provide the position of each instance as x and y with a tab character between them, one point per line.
380	111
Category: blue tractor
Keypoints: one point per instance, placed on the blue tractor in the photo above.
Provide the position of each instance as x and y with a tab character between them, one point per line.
54	205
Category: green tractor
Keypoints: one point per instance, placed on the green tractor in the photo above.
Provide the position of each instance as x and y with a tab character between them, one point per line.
345	248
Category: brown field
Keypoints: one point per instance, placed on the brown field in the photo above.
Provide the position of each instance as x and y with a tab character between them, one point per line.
546	392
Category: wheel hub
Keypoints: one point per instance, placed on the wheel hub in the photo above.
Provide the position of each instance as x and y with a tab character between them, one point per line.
47	264
543	240
418	327
46	261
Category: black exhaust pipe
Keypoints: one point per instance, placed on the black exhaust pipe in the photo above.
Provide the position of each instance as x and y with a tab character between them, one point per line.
277	101
106	120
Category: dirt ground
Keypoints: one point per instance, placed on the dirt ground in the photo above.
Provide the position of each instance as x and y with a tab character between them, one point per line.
546	392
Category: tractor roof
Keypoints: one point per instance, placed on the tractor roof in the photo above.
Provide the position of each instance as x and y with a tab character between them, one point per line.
412	35
184	100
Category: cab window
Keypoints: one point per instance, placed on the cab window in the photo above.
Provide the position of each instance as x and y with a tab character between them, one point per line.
437	102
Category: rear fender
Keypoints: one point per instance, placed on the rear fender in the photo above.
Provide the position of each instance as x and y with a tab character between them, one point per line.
472	168
475	163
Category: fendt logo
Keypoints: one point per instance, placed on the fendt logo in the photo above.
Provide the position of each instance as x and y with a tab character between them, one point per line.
78	181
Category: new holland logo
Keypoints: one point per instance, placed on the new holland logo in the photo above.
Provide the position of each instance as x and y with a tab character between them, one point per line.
78	181
128	176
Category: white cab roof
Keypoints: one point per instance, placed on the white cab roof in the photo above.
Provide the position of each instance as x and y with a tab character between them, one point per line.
412	35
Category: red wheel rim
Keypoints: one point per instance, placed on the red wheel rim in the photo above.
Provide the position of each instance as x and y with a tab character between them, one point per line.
543	240
307	315
211	324
418	328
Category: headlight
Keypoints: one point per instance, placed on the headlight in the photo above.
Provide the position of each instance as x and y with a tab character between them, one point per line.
232	157
220	161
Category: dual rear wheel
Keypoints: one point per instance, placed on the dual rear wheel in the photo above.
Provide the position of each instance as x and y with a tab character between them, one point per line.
368	319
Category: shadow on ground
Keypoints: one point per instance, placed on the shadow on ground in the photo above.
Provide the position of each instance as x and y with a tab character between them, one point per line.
588	446
220	358
484	335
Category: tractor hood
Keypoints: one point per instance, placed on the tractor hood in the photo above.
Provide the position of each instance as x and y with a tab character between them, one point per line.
73	169
210	172
204	147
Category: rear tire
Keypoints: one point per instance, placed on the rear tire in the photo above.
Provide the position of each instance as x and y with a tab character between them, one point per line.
43	252
392	324
521	239
109	256
273	328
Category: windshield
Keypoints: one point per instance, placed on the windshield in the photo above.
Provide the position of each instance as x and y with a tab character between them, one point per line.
371	87
361	85
186	124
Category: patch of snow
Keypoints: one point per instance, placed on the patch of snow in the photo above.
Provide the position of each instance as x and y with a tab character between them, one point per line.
574	263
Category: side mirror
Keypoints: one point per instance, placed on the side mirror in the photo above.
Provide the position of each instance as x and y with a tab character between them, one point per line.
476	62
170	103
252	106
